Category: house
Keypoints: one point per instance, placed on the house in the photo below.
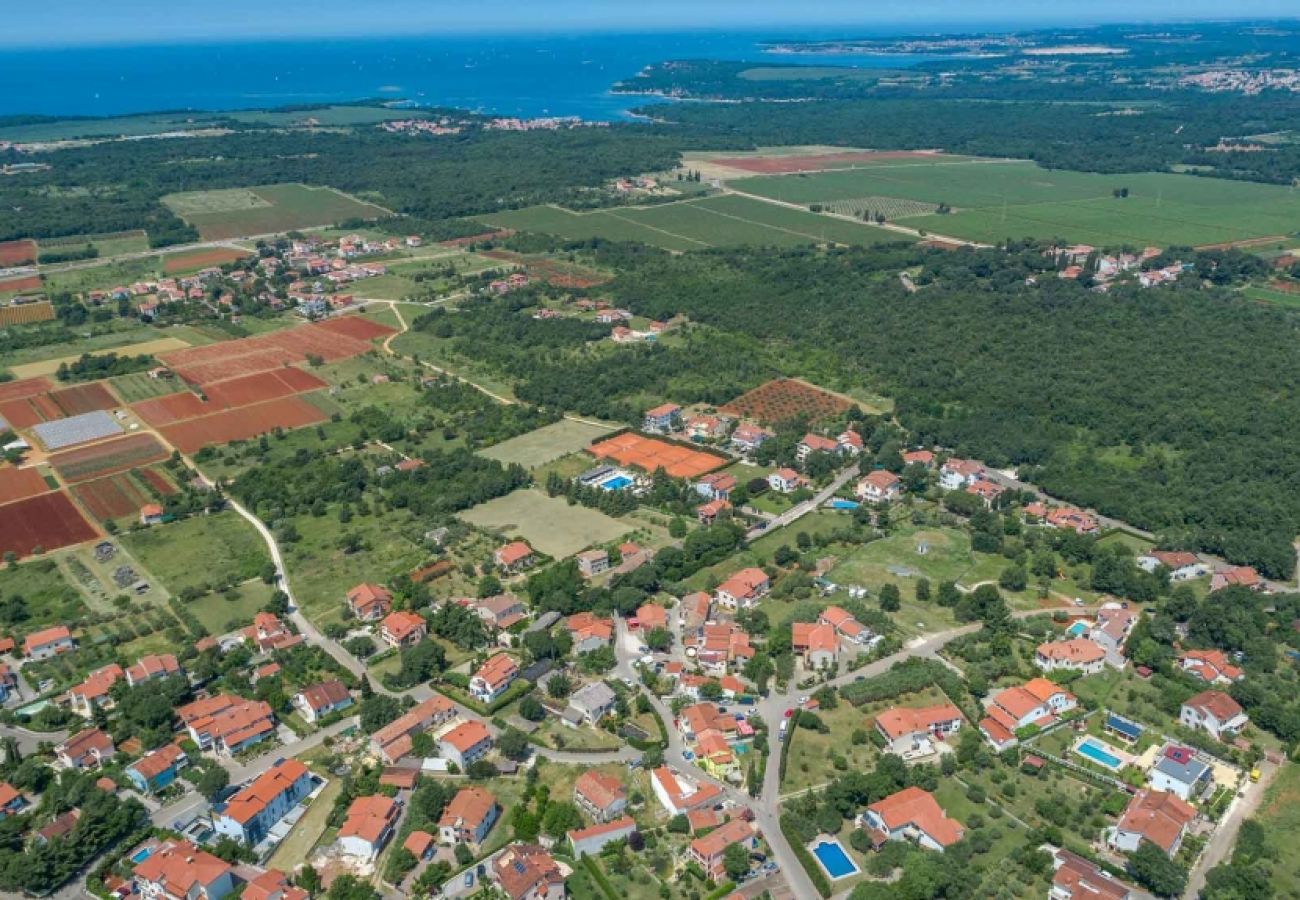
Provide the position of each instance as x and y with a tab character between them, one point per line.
148	668
1245	576
468	818
593	702
911	814
908	730
743	589
502	611
493	678
369	602
701	428
785	481
1216	713
1076	878
151	514
592	562
60	827
589	631
956	473
1075	520
678	794
707	513
707	851
879	487
591	840
747	438
1155	816
272	885
720	646
1181	564
403	629
369	824
1211	666
600	796
664	417
918	458
156	770
92	693
527	872
227	723
1074	655
716	486
251	812
650	616
11	802
1037	702
845	625
320	700
268	633
465	743
694	610
632	557
513	557
817	643
986	490
86	749
850	442
1111	631
420	844
1178	771
393	741
814	443
178	870
48	642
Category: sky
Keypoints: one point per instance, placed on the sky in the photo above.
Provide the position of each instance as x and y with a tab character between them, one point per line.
71	22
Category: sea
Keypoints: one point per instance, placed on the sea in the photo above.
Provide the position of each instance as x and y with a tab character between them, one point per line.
514	75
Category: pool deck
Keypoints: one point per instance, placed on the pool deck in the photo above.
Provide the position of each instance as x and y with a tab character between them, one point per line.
821	839
1125	759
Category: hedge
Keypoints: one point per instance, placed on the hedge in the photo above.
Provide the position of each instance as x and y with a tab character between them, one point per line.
598	876
815	873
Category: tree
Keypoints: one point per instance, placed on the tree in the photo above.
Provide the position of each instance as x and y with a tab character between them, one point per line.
377	711
923	589
677	527
560	816
531	708
1156	872
735	860
349	887
559	686
658	638
513	744
679	824
212	782
890	598
464	856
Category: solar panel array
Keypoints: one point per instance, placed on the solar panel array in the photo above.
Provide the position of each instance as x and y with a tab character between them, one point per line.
90	426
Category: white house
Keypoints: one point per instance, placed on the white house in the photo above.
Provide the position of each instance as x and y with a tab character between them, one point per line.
1216	713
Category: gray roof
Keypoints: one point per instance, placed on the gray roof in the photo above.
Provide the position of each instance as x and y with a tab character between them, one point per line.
76	429
1189	773
545	620
592	696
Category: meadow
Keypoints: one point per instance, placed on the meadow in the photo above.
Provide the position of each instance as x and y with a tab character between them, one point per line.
266	209
994	199
548	524
199	550
546	444
716	221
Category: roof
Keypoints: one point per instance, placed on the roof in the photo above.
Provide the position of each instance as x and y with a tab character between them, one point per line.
8	794
272	883
712	844
151	765
1158	816
915	807
1114	621
513	552
836	616
786	474
179	866
325	694
816	442
262	790
98	683
46	636
155	666
964	467
468	809
923	457
599	789
418	842
1079	651
368	817
680	798
881	479
624	823
1210	664
651	615
1085	880
1216	703
814	638
896	723
585	625
466	735
744	583
83	742
409	721
1173	559
592	696
401	624
497	670
521	868
1044	690
1181	764
151	509
663	409
366	594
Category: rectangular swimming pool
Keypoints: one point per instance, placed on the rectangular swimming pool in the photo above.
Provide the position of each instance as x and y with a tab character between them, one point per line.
1077	629
833	859
617	483
1094	751
141	855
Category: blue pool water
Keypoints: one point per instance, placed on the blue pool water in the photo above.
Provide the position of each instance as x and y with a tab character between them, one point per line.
740	749
617	483
141	855
833	859
844	504
1077	629
1095	753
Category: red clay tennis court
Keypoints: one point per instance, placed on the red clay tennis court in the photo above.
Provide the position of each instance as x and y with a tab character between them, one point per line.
649	454
18	484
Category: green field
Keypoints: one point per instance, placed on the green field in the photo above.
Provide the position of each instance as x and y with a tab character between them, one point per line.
1280	815
993	199
108	244
220	614
266	209
718	221
139	386
67	129
199	550
547	443
547	523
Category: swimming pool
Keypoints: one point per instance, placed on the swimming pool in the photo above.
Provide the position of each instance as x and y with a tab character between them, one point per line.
844	504
617	483
141	855
833	859
1094	751
740	749
1077	629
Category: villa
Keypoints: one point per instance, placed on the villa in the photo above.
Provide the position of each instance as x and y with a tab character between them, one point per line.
911	814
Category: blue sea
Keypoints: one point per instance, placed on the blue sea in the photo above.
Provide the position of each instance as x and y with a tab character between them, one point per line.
539	75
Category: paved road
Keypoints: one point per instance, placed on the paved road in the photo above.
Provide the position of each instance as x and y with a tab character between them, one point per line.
29	741
1225	835
794	513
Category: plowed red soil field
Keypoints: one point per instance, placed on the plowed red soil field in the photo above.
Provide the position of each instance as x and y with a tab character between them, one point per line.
171	408
332	340
111	498
241	424
777	165
15	253
108	457
47	521
158	481
27	387
358	327
19	413
262	387
17	484
24	285
84	398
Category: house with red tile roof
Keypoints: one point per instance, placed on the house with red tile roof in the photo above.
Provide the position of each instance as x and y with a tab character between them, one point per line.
879	486
600	796
910	731
467	742
918	458
11	801
394	740
468	818
707	851
493	678
716	486
501	612
986	490
694	610
1075	520
818	644
650	616
747	437
956	473
369	825
268	633
1037	702
272	885
1076	878
707	513
227	723
720	647
845	625
1243	576
1216	713
157	769
699	428
911	814
149	668
514	557
92	693
420	844
850	442
85	750
252	811
814	443
178	870
528	872
1111	630
403	629
785	481
1155	816
48	642
1182	565
661	418
743	589
322	699
369	602
591	840
1211	666
1074	655
678	793
151	514
589	631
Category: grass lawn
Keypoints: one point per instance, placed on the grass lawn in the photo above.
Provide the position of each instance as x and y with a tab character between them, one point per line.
139	386
293	850
240	212
558	736
569	466
49	598
1280	815
549	524
434	350
810	751
898	559
199	550
219	615
546	444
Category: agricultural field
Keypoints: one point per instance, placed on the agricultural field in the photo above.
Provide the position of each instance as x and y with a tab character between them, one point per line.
15	253
266	209
48	598
181	263
546	444
18	484
114	126
25	314
40	523
120	496
199	550
548	524
108	457
717	221
785	399
107	243
139	386
122	336
993	199
22	284
243	423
